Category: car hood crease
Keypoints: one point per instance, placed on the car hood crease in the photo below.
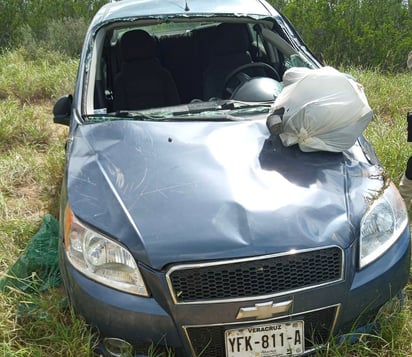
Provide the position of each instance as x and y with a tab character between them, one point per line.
190	191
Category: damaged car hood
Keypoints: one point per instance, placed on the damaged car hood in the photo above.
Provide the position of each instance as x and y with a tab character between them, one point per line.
180	191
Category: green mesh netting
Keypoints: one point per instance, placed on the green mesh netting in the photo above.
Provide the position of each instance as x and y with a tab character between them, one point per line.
37	268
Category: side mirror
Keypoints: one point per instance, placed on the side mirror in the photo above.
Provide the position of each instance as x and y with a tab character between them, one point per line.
62	110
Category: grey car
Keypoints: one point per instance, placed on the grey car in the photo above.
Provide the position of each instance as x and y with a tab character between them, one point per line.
187	226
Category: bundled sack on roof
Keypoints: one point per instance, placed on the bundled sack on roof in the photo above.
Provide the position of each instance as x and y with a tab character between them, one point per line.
320	110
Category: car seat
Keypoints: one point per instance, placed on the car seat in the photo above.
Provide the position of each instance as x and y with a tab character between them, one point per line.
230	50
142	81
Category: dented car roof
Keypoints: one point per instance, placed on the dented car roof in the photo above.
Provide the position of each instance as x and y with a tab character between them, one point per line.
130	8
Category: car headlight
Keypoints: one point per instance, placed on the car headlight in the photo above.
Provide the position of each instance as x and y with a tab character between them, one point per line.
382	225
101	258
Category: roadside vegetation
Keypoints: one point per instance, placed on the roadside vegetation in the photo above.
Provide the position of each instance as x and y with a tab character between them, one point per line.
33	75
31	168
366	33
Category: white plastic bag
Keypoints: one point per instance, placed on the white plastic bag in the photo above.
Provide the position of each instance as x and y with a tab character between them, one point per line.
323	109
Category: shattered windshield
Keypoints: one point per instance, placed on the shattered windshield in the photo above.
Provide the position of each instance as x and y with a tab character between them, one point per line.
195	69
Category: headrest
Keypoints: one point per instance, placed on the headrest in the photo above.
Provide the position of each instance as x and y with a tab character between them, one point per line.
230	39
137	44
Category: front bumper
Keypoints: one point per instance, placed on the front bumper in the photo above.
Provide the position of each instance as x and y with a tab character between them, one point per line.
158	320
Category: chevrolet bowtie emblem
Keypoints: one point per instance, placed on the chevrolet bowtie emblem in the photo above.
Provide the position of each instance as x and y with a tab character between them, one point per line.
264	310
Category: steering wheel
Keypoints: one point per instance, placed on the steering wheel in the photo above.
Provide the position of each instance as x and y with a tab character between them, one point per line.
239	76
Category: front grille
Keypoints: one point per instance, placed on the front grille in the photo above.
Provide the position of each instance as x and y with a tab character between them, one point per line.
250	278
211	339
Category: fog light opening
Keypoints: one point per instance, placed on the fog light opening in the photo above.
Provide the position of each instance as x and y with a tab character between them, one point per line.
117	347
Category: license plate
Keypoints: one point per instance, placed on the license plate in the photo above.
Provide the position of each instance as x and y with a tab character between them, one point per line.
272	340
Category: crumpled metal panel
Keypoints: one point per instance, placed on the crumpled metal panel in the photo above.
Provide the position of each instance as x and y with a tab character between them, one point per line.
190	191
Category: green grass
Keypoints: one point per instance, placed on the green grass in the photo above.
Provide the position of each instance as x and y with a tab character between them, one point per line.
390	96
31	168
31	78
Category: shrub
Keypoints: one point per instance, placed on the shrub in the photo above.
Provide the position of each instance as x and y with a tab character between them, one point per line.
61	35
67	35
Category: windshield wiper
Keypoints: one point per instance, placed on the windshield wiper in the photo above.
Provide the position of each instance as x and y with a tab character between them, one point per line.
210	106
197	107
123	114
